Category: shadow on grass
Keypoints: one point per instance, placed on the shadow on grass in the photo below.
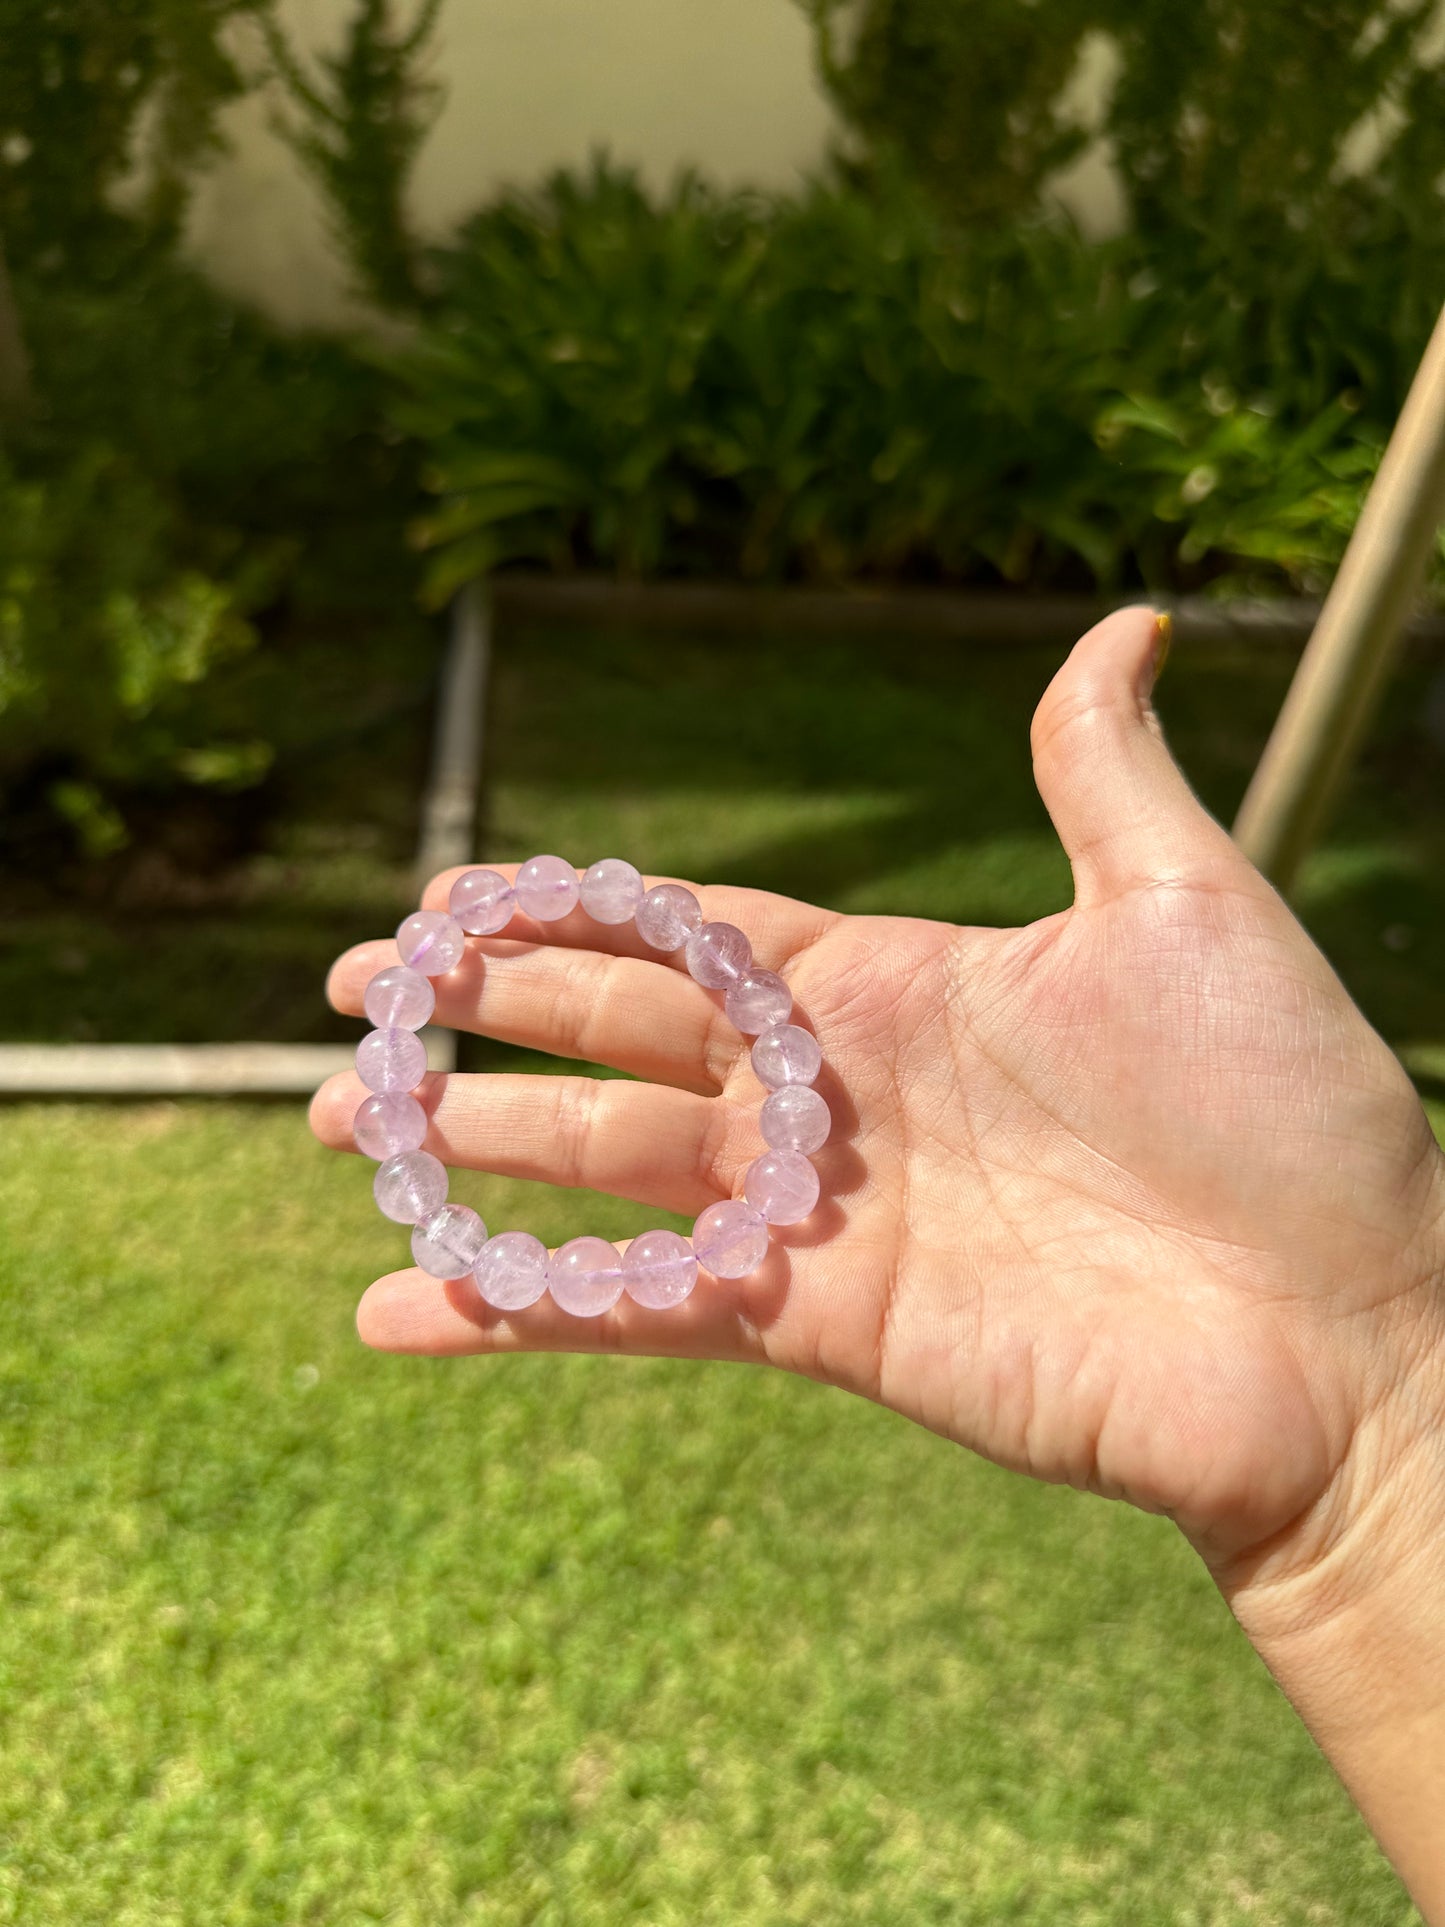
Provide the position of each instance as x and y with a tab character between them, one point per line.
863	776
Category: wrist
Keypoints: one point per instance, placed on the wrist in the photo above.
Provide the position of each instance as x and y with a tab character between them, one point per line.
1347	1609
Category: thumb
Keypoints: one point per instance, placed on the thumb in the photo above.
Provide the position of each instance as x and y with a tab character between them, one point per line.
1118	800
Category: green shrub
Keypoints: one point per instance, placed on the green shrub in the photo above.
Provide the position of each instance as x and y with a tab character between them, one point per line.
358	126
104	637
844	385
97	98
177	476
1281	166
962	93
191	479
1232	126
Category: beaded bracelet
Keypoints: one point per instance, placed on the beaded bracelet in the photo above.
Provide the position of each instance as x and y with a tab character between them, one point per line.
585	1277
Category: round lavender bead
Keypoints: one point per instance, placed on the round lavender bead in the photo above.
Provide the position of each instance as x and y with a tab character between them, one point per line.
410	1186
757	1000
658	1270
730	1239
431	941
391	1060
787	1054
795	1118
388	1122
482	902
718	955
667	916
399	998
511	1270
611	891
585	1278
782	1185
447	1241
546	888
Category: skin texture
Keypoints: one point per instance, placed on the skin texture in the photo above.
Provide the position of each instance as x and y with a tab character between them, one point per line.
1132	1198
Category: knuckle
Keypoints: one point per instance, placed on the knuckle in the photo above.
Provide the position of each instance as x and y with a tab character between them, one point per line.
724	1145
1068	711
720	1045
574	1117
593	987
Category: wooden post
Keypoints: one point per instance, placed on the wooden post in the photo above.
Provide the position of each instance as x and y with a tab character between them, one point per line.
1343	669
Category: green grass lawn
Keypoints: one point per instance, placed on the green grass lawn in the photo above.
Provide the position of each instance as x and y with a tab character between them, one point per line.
292	1633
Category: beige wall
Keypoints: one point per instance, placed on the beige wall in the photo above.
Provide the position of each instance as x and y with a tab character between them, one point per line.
724	85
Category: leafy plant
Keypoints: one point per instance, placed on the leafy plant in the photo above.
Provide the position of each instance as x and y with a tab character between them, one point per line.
95	97
195	482
1228	120
844	384
361	125
174	471
104	639
1280	167
559	393
964	93
99	103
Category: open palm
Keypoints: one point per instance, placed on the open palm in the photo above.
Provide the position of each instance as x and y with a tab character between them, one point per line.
1123	1198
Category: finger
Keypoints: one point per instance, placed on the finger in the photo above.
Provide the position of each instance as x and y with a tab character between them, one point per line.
778	927
645	1141
1118	800
618	1011
407	1311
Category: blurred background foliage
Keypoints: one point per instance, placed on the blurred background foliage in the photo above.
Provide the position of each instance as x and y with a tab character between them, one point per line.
915	367
841	386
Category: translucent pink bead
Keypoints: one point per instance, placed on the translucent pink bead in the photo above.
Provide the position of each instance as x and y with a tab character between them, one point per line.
399	998
482	902
718	955
585	1277
446	1243
391	1060
659	1270
795	1118
758	998
511	1270
389	1122
410	1186
431	941
546	888
730	1239
787	1054
611	891
667	916
782	1185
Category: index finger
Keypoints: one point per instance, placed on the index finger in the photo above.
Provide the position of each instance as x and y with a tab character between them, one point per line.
778	927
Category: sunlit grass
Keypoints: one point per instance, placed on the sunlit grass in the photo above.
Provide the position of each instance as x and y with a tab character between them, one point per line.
295	1633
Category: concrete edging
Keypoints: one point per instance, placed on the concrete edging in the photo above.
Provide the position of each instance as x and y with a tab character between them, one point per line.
183	1070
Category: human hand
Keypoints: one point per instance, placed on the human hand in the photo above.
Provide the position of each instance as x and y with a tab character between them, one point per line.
1131	1198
